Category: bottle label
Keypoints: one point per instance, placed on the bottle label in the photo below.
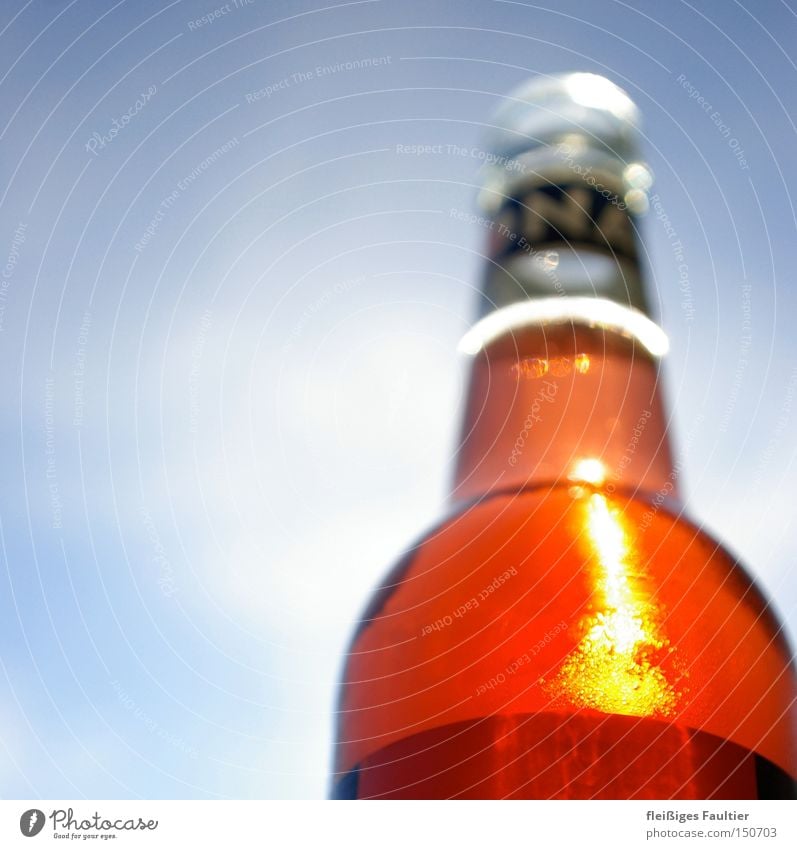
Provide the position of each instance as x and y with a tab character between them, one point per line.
557	756
570	214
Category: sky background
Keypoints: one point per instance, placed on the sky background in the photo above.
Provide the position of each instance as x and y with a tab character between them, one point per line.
218	435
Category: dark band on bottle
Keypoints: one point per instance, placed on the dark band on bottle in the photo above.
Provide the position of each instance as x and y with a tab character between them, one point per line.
578	215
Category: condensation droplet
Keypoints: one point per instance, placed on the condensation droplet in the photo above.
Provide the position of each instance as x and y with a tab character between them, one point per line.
581	363
638	176
531	367
637	201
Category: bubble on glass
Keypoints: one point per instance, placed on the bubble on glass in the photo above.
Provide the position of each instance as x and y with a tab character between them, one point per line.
638	176
637	201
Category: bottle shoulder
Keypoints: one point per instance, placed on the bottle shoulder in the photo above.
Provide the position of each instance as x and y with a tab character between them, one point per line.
571	599
568	536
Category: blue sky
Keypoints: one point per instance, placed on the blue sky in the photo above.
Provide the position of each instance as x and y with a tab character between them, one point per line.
229	308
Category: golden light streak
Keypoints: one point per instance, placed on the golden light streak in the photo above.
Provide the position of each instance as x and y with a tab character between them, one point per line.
615	667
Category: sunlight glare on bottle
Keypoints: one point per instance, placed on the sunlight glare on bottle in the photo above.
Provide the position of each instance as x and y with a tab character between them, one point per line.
588	470
615	667
597	92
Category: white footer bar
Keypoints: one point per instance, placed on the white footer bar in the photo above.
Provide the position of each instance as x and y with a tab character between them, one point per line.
397	825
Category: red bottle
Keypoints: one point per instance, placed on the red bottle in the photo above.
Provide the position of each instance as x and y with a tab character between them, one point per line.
566	632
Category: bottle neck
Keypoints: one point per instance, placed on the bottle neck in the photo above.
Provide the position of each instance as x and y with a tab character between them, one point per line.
563	224
563	402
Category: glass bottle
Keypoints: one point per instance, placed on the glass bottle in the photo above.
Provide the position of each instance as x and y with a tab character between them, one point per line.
565	631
